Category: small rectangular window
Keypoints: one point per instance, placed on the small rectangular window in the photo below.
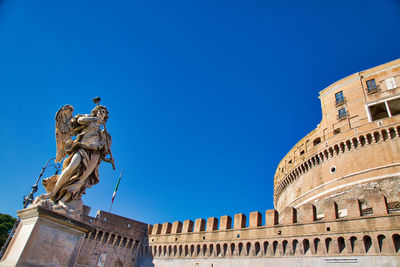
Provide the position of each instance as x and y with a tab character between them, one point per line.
342	113
302	152
316	141
336	131
371	86
339	98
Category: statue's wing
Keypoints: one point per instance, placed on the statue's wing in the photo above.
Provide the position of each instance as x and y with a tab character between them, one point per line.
63	130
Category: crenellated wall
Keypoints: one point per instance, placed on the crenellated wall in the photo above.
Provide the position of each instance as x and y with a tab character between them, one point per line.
295	232
117	239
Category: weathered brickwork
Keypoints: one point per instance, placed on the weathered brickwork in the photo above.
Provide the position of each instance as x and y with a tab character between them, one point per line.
356	142
373	231
116	239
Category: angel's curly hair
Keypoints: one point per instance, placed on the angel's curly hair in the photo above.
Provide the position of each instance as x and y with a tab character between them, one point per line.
97	108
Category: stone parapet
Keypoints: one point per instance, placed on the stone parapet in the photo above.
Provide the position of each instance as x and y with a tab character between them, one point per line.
298	232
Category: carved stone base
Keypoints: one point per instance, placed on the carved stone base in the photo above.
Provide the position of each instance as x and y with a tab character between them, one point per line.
45	238
72	209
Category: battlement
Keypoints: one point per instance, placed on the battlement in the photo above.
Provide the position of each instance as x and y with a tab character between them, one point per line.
293	232
305	214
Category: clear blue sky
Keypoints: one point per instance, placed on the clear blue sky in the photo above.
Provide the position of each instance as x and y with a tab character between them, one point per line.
205	97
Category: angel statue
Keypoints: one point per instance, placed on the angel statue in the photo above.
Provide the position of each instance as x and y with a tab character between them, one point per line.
84	154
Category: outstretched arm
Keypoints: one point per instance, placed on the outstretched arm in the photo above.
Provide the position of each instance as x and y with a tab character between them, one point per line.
86	120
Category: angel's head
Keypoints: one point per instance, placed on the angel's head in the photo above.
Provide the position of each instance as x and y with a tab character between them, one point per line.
100	112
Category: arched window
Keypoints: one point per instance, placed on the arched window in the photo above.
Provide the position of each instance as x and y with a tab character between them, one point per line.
328	242
112	239
106	235
341	244
396	242
381	240
248	248
240	248
232	248
316	245
342	147
336	148
186	251
225	249
385	135
353	241
348	144
377	136
294	245
169	252
326	154
362	140
191	251
369	139
392	133
306	246
198	250
99	236
123	244
265	249
355	142
284	246
159	251
275	246
257	248
218	250
130	243
180	251
118	241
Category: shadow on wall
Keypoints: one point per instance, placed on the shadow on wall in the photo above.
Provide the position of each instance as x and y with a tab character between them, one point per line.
145	256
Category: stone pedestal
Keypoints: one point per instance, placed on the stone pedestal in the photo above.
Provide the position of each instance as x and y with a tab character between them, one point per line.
45	238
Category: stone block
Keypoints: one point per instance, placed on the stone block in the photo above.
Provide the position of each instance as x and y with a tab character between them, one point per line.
330	210
255	219
212	224
225	222
157	229
271	218
187	226
353	208
199	225
309	213
239	221
289	216
379	205
176	227
166	228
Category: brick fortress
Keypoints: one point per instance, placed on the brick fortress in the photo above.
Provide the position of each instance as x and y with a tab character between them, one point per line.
336	196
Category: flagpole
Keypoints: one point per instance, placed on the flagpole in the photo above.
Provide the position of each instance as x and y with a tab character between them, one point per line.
115	191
